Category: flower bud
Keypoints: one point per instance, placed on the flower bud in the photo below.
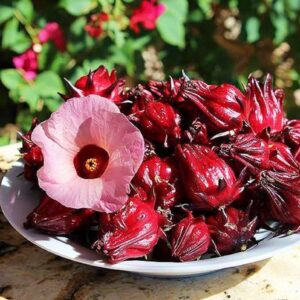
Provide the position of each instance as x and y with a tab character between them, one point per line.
32	154
231	230
132	232
283	195
281	158
190	239
158	121
223	106
53	218
265	106
248	150
98	82
157	180
291	133
196	133
208	180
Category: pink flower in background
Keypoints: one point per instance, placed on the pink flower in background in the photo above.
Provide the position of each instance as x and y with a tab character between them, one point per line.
28	63
146	15
95	26
53	32
91	152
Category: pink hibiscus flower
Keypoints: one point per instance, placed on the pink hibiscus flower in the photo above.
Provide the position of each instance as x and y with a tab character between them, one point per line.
91	152
28	63
146	15
53	32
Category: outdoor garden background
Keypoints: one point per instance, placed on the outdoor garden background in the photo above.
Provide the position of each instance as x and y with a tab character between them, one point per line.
218	41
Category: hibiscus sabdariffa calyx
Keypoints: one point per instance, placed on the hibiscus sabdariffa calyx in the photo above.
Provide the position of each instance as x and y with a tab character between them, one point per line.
174	170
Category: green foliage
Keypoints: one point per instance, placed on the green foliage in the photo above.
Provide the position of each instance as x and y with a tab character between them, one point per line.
78	8
217	40
171	25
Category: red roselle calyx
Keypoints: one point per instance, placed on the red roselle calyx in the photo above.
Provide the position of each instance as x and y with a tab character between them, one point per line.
231	230
32	154
281	158
265	106
190	239
223	106
132	232
157	180
169	90
159	122
196	133
291	133
283	193
99	82
208	180
249	150
53	218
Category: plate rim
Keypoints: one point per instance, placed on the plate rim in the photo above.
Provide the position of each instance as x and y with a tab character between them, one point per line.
139	266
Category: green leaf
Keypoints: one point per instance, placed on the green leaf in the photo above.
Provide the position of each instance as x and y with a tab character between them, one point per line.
282	27
252	29
78	8
171	24
14	39
24	119
293	4
4	140
79	40
26	9
206	6
12	79
10	33
30	95
53	103
21	44
48	84
50	59
125	56
6	12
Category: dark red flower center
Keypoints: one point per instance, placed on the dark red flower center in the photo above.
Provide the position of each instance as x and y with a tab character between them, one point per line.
91	161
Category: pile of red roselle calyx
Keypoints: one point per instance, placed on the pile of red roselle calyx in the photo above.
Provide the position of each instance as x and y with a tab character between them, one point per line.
219	164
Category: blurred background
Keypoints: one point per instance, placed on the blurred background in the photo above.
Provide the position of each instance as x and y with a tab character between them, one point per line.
217	41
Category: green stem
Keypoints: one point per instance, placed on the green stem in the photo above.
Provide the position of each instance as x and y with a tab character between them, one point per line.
31	32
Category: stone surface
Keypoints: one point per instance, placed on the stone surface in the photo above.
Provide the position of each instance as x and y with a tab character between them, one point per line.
30	273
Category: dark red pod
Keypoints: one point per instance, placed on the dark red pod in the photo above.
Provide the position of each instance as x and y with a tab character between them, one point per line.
196	133
34	157
169	91
32	154
265	106
224	106
208	180
53	218
283	195
98	82
190	239
231	229
282	159
132	232
291	133
157	180
158	121
248	150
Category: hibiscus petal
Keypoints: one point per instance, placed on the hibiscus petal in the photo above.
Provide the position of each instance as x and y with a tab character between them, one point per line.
68	124
76	193
58	162
120	138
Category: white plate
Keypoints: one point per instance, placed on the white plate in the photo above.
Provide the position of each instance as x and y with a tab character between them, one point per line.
17	200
